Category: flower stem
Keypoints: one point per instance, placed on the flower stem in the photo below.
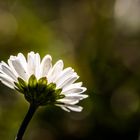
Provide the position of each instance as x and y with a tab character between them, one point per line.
26	121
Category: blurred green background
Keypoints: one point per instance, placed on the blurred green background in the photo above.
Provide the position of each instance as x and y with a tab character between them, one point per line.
100	39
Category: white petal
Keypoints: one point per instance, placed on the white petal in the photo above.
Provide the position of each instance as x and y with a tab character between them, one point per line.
79	84
74	90
23	60
75	108
76	96
6	69
65	74
11	65
46	64
74	85
31	63
19	69
55	71
71	107
7	81
63	107
37	65
68	101
67	82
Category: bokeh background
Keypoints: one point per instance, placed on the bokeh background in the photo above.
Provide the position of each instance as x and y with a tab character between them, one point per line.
100	39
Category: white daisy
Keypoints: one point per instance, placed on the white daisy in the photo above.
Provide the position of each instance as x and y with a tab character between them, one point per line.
41	83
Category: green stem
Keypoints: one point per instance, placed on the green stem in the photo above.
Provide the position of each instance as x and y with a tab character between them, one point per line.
26	121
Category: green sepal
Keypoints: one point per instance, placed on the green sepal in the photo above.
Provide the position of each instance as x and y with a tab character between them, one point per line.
22	83
51	86
42	83
18	87
61	96
58	91
28	97
19	90
32	82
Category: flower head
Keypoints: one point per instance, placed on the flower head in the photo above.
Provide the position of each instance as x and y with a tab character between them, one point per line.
41	82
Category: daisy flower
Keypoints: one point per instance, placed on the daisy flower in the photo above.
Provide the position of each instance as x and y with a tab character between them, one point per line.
42	83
